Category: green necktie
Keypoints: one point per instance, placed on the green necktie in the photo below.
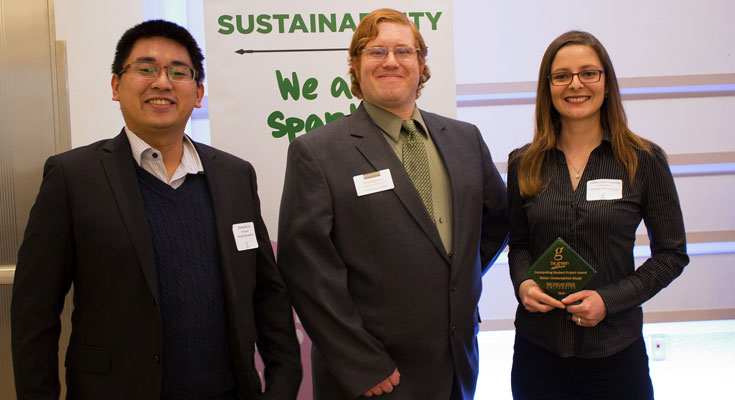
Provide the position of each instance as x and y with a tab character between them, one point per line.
417	164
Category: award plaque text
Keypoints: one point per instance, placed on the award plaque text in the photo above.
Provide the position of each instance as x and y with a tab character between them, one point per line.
560	271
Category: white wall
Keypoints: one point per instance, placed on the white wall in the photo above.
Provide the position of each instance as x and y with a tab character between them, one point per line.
503	41
91	30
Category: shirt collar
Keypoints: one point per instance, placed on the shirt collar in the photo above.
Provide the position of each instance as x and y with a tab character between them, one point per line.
391	123
190	160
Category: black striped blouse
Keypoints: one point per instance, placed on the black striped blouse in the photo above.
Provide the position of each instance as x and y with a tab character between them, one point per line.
603	233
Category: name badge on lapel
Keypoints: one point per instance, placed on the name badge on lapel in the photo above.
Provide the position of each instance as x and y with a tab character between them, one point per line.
245	238
604	189
373	182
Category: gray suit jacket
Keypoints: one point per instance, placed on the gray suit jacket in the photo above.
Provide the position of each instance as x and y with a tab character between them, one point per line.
369	276
88	227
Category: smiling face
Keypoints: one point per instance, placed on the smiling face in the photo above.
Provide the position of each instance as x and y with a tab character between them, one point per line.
390	83
577	101
156	108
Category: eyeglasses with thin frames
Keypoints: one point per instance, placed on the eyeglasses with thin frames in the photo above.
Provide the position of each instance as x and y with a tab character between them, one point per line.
380	53
586	76
150	71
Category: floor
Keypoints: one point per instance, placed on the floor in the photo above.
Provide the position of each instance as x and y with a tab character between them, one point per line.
688	360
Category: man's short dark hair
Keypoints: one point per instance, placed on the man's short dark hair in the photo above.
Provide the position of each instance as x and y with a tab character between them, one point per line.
158	28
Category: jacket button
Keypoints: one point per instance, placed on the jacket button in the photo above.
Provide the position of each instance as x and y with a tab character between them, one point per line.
450	255
454	329
153	300
157	358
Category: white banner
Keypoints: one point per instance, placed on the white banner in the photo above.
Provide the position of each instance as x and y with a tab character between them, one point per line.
278	69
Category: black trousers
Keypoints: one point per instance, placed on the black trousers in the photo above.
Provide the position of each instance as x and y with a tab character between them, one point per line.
539	374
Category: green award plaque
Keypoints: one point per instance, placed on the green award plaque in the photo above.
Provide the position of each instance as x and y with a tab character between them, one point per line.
560	271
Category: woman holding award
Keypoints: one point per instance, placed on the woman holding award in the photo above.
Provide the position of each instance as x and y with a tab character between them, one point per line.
587	179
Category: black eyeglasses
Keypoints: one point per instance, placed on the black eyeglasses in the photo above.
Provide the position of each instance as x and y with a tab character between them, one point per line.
586	76
150	71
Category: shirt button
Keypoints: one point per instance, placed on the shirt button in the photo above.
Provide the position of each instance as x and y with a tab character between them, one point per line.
441	220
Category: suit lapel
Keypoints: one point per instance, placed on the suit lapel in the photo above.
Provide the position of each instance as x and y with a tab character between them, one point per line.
223	213
372	145
119	166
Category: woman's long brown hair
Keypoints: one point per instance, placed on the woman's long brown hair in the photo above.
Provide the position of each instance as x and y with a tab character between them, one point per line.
548	120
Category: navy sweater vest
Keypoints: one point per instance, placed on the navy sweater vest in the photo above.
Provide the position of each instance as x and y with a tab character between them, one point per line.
196	355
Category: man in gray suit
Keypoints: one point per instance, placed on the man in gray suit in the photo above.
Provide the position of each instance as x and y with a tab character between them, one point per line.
389	218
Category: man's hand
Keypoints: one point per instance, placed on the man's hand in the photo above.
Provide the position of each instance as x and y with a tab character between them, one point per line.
386	386
590	311
535	299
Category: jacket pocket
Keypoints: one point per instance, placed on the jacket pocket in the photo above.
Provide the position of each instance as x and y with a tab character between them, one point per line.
88	359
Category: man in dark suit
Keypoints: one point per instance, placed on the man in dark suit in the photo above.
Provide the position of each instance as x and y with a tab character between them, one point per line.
173	272
389	218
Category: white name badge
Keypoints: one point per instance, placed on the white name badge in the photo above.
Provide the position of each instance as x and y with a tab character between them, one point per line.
373	182
245	238
604	189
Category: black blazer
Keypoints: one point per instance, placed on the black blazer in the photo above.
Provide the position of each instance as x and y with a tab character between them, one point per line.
369	276
88	227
